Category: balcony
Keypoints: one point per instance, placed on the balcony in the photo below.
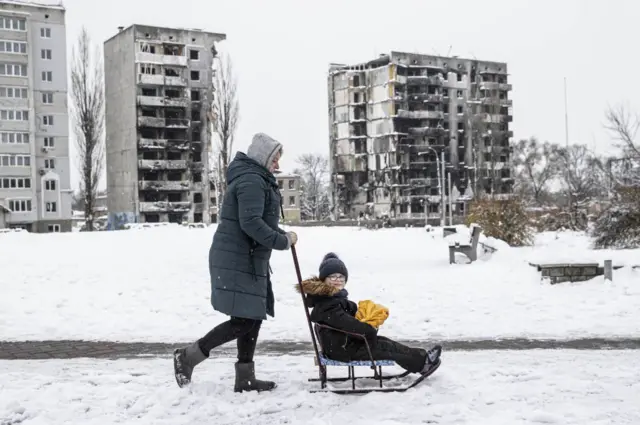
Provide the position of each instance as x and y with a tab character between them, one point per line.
433	80
174	60
168	186
151	122
497	102
177	122
153	164
151	79
491	85
175	81
152	144
402	113
159	101
147	207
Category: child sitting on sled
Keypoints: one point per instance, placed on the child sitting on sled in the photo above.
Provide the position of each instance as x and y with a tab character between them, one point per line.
332	307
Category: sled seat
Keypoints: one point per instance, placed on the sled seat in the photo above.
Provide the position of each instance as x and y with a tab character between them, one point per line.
325	361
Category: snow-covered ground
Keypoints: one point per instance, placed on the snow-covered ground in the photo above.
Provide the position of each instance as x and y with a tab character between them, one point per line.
153	285
496	388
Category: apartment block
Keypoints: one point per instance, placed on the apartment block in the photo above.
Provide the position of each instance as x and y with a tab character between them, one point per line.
401	126
289	185
35	169
158	92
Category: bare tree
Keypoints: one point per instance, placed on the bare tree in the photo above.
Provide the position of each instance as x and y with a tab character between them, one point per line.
224	117
87	93
582	178
624	126
535	165
313	170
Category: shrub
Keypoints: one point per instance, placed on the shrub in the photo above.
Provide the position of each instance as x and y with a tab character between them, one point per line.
502	219
619	225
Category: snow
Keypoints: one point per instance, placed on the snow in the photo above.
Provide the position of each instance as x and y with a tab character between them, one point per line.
534	387
153	285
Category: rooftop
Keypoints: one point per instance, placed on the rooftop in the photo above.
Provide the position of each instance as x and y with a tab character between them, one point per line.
49	4
220	36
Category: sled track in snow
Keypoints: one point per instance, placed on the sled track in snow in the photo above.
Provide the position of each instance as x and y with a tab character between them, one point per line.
40	350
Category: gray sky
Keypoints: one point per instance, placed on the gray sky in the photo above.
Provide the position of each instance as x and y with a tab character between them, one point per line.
282	48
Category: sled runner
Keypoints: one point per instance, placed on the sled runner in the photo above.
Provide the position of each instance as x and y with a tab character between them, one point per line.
323	362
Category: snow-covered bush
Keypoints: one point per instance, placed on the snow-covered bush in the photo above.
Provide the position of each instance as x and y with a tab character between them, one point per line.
502	219
619	225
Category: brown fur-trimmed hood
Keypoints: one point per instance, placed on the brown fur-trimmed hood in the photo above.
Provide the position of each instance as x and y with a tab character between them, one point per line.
316	287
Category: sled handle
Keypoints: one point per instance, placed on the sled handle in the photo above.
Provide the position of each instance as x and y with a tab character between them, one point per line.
304	300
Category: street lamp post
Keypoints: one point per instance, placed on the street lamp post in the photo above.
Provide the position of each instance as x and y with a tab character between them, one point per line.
440	189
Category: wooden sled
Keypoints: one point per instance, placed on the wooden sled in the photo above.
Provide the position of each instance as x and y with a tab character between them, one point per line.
323	362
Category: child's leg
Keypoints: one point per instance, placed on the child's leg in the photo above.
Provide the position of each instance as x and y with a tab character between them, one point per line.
409	358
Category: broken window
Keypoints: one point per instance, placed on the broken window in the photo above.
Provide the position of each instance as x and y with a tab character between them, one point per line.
151	155
459	76
174	156
460	109
147	48
460	126
171	72
147	69
292	201
152	218
195	95
280	184
356	98
149	92
175	218
172	93
197	217
194	55
174	113
356	81
197	198
459	94
292	184
148	133
195	136
173	50
195	115
148	112
197	157
150	176
174	176
174	197
195	75
197	177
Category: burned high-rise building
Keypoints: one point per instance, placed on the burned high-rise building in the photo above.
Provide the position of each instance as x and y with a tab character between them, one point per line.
392	121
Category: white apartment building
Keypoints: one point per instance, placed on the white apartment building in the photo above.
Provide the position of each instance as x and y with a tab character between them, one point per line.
35	192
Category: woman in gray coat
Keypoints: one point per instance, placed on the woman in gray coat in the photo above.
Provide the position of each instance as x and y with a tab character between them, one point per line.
239	262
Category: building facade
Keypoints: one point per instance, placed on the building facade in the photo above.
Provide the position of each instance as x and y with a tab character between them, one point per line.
158	93
35	168
289	185
392	122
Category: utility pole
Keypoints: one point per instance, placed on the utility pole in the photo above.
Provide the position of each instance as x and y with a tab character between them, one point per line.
442	186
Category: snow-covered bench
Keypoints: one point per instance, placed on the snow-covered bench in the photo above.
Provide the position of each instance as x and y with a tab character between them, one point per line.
470	250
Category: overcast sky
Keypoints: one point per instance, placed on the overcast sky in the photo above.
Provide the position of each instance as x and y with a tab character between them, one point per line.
282	48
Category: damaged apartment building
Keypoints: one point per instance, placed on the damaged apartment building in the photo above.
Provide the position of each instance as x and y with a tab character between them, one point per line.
158	94
392	121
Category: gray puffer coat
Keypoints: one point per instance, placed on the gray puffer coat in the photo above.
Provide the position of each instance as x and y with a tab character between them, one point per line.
247	232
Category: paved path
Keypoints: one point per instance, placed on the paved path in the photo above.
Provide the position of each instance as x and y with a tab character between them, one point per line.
24	350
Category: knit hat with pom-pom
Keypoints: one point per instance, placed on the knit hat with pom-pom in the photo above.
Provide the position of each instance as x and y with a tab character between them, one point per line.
332	264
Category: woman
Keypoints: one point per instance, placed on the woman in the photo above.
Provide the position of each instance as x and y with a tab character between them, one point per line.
239	262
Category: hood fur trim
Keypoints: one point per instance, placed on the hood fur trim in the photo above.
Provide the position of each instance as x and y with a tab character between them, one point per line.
314	286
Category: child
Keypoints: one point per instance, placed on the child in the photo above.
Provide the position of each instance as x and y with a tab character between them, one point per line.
331	307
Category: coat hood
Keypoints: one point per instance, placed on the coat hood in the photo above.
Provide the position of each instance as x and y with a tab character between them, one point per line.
316	290
242	164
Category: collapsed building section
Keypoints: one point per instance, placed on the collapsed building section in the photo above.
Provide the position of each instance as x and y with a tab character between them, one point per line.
157	157
394	119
